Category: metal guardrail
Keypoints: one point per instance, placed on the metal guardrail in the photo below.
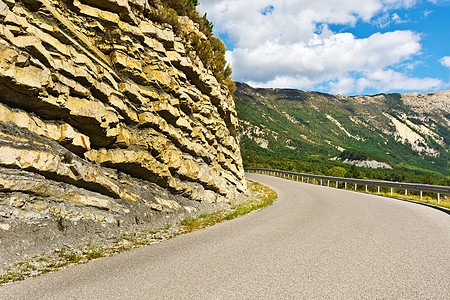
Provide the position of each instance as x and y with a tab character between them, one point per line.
438	189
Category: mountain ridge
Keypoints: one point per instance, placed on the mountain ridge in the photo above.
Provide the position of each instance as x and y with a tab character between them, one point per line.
296	128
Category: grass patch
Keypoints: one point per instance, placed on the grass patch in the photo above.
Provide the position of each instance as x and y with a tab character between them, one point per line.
262	197
259	197
444	201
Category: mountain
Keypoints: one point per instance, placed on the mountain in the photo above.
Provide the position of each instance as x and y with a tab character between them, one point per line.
313	131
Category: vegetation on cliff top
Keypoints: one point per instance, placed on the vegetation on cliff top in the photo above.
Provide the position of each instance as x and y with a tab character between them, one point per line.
211	51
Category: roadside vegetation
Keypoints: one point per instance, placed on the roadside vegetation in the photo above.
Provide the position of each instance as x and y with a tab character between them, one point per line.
256	157
263	197
259	196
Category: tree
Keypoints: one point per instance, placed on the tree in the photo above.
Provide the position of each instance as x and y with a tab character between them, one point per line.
428	179
398	177
353	173
337	172
193	3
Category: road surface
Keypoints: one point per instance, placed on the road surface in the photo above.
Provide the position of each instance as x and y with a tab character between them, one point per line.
313	242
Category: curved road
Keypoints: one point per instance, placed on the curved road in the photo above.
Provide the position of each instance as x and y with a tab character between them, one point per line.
313	242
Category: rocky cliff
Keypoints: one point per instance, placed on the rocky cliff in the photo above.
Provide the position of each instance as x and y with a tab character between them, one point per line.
108	118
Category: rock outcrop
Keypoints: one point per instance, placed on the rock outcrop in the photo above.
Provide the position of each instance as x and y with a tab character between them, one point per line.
108	116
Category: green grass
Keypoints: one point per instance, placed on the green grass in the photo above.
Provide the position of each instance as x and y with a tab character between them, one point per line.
263	198
444	201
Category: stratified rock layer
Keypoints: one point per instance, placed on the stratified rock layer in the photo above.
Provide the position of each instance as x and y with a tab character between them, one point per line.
100	107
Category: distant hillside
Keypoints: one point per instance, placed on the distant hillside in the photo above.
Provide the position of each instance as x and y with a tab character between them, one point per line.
300	130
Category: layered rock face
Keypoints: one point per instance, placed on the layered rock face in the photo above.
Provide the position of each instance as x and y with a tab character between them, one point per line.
103	110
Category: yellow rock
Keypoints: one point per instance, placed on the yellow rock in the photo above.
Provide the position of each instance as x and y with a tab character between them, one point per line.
123	139
163	107
124	61
96	13
148	119
168	203
173	56
148	28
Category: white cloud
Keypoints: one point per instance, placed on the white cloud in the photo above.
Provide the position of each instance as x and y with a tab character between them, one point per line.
288	43
440	2
445	61
344	85
389	80
382	80
322	58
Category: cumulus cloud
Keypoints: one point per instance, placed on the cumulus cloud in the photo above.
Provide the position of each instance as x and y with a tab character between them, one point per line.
445	61
392	80
289	43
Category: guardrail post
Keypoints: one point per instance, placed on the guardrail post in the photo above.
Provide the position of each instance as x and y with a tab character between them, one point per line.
345	185
366	187
420	195
328	183
356	186
439	197
337	183
406	192
302	179
314	181
392	191
307	179
378	189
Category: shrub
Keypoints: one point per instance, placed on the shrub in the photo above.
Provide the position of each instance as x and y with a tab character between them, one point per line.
211	51
337	172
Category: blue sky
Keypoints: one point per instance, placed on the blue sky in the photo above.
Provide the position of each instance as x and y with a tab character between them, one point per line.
338	46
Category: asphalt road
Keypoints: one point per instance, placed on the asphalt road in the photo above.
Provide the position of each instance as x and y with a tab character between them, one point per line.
313	242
